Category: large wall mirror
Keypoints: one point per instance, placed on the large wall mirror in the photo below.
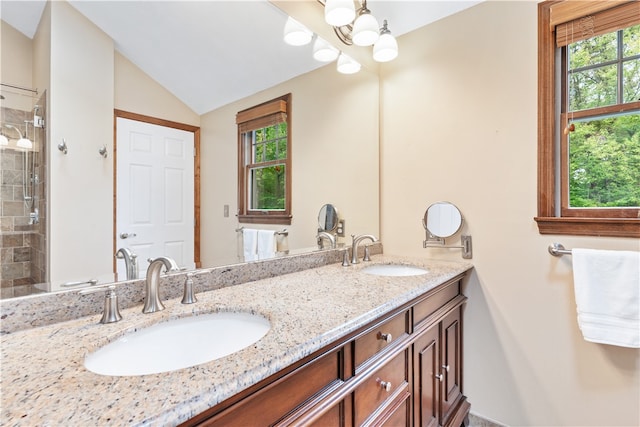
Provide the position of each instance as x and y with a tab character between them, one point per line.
328	149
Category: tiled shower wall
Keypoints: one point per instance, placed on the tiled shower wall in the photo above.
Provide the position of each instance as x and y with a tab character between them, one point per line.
22	245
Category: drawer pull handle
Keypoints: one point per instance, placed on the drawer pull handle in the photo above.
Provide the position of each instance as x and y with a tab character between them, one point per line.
440	377
385	337
385	385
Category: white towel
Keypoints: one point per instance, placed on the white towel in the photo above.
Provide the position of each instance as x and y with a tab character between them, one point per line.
266	244
250	244
607	288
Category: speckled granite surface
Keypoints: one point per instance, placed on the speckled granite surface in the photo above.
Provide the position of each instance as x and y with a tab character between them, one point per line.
45	309
45	383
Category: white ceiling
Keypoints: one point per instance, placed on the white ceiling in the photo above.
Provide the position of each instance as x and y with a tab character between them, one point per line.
211	53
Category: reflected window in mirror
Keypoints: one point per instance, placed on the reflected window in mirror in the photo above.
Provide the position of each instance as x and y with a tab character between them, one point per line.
264	162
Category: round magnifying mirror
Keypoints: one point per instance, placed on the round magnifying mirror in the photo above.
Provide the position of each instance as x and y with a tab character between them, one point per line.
442	219
328	218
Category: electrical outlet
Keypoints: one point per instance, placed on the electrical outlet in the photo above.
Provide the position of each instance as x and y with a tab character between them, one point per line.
340	229
226	211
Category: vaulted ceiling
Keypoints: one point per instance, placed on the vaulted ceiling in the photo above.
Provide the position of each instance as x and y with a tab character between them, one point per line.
211	53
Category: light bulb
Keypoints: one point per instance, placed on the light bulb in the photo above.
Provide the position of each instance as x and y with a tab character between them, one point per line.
296	34
323	51
365	29
339	12
24	143
348	65
386	48
3	140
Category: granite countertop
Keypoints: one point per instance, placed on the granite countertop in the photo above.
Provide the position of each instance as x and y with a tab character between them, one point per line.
44	381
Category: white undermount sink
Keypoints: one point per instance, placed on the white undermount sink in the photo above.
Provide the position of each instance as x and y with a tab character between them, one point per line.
394	270
177	344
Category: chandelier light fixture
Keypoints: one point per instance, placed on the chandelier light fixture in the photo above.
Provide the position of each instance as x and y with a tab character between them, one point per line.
23	141
296	34
386	48
348	65
352	27
365	28
339	12
323	51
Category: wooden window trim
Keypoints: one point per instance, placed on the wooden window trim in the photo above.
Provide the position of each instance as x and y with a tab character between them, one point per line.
549	222
252	118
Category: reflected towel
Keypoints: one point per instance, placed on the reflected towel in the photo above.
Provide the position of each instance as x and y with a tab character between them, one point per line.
250	244
266	244
607	288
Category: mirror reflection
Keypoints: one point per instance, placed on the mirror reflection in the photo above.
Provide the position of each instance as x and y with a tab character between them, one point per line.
442	219
328	218
77	220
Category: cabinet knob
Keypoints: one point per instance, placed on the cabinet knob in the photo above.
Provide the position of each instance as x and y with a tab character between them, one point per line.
385	385
445	367
385	337
440	377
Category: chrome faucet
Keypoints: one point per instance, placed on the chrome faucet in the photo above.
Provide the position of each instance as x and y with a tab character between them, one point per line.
130	262
152	301
356	242
328	236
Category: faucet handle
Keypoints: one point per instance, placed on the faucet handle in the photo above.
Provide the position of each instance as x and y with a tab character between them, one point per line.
111	313
345	258
367	254
188	296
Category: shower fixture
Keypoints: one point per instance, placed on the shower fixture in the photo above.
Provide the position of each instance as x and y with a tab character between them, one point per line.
30	178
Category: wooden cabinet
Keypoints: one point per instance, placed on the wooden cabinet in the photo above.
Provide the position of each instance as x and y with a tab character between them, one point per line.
403	369
437	358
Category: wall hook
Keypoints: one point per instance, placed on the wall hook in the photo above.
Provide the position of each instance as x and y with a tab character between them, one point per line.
63	146
103	151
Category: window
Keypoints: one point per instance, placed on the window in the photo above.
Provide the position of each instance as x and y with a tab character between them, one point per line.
264	163
589	118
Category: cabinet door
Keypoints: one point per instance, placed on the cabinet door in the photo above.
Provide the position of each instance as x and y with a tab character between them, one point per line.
426	368
451	362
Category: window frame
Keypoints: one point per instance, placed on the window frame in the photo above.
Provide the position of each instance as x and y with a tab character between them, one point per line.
550	219
280	105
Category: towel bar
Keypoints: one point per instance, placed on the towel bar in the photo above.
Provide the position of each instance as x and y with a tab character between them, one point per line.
557	249
282	232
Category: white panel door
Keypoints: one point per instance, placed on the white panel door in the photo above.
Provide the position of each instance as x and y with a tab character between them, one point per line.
155	193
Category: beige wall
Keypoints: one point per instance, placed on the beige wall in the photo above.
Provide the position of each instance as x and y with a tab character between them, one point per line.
459	124
136	92
81	182
335	160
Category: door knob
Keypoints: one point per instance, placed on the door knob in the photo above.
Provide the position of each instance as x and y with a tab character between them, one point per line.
127	235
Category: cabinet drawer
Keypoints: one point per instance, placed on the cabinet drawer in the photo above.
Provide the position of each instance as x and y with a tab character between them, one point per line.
428	306
376	339
399	415
372	394
269	404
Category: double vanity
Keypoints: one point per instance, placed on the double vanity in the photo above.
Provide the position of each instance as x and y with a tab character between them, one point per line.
374	343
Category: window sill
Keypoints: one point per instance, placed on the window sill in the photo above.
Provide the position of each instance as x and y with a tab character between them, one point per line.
614	227
265	219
